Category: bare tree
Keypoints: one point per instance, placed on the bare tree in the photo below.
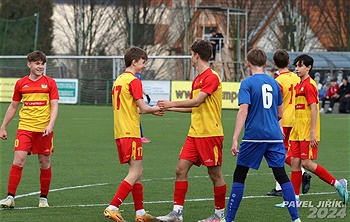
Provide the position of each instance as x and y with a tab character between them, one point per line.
331	20
89	27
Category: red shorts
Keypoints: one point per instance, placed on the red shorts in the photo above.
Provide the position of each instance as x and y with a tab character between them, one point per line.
206	151
129	148
286	131
34	142
302	150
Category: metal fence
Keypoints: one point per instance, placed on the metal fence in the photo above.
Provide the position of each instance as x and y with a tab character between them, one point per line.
97	73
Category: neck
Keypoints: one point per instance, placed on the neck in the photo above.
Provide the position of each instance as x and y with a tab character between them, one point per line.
283	70
304	77
256	70
130	70
34	77
201	67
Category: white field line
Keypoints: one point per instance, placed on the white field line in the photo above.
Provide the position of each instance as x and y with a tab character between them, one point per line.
144	180
147	202
158	202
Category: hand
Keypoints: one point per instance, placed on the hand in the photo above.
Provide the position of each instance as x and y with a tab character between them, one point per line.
47	131
234	149
3	134
163	104
148	99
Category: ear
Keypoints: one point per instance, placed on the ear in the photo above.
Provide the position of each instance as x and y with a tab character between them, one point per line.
133	63
28	64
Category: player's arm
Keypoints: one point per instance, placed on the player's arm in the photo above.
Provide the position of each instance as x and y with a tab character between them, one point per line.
314	112
189	103
10	113
181	110
53	116
240	121
144	108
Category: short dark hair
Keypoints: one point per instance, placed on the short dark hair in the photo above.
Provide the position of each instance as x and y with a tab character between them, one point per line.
212	30
203	48
36	56
281	58
257	57
134	53
334	80
304	59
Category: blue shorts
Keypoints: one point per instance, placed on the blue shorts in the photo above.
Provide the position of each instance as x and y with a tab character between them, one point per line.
251	154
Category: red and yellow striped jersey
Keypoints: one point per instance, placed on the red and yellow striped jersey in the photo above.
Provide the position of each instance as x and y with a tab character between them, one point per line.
288	82
126	90
36	96
306	94
206	119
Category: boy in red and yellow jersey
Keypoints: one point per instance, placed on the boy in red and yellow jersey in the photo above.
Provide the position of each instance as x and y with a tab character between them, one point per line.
203	145
305	135
287	81
39	96
127	101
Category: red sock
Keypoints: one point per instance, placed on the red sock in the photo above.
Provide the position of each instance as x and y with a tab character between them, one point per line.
45	180
14	178
296	179
123	191
288	160
219	197
324	175
137	196
180	192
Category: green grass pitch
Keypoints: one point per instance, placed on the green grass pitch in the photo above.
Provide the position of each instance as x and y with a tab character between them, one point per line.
86	170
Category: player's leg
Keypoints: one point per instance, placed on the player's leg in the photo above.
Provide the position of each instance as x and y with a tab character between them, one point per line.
323	174
137	196
43	146
45	178
14	178
211	149
129	151
22	147
237	192
215	174
288	191
143	138
180	190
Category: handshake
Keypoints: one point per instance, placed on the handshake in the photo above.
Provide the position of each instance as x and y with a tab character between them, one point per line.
162	105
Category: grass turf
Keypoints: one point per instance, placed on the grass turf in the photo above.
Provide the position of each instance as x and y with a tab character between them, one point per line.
86	170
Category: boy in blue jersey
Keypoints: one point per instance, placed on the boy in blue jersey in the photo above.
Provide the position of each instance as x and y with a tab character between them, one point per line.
143	138
260	102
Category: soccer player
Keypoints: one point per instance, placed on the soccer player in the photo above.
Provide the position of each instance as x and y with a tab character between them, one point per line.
203	145
305	134
127	101
287	81
260	102
143	138
39	96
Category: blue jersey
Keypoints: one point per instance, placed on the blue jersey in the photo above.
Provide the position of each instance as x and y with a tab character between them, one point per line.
263	95
139	76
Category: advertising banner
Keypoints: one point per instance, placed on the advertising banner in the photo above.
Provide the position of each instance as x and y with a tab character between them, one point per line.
181	90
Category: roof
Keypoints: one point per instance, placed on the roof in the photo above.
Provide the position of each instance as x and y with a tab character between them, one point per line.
322	60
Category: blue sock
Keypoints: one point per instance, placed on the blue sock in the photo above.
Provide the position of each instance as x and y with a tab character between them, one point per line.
289	197
234	200
141	131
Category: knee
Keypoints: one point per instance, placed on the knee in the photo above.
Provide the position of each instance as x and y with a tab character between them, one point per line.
308	165
215	176
180	172
44	162
240	174
280	175
19	160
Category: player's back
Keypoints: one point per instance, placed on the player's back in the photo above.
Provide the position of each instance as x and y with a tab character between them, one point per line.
263	95
288	82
